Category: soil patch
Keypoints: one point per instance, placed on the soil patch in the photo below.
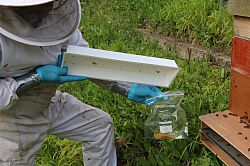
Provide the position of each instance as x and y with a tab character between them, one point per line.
186	50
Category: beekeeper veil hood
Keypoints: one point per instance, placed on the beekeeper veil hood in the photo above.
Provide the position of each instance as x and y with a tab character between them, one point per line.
35	28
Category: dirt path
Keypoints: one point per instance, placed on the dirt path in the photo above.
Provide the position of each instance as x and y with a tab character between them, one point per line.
188	51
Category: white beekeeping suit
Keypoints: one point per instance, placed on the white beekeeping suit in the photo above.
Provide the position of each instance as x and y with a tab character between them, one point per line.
27	115
32	35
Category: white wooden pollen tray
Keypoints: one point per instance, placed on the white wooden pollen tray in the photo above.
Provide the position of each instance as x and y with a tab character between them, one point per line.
116	66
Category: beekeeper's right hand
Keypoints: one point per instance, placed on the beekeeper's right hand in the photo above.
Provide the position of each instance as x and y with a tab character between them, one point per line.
56	74
142	93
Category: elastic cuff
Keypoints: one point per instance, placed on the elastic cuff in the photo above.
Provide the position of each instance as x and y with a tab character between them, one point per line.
27	81
132	91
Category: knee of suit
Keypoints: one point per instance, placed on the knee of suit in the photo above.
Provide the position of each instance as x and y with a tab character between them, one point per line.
107	117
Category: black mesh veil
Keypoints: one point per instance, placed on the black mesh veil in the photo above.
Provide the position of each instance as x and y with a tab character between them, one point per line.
54	28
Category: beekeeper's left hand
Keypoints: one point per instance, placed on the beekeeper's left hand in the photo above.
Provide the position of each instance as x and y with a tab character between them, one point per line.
55	74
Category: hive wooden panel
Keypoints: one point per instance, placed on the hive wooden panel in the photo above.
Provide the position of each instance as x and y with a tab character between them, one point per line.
232	129
242	27
217	151
239	7
241	55
239	102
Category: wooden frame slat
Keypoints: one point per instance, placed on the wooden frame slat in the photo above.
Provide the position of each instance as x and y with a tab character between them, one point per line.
232	129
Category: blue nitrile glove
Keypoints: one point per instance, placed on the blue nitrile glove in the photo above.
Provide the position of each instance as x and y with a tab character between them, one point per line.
55	74
141	93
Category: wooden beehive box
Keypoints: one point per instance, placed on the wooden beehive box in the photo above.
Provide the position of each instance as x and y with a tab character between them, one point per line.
227	133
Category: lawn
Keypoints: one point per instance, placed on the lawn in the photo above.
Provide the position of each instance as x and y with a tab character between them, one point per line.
113	25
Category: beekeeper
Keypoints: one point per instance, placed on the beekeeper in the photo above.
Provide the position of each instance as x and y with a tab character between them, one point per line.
33	34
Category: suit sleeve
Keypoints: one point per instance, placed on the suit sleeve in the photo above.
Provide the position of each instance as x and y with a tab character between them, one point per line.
11	88
76	39
8	87
8	97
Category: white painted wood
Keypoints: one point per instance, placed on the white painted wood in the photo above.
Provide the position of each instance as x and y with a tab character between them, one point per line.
116	66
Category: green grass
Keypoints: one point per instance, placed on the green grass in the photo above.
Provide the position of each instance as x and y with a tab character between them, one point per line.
109	25
205	22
